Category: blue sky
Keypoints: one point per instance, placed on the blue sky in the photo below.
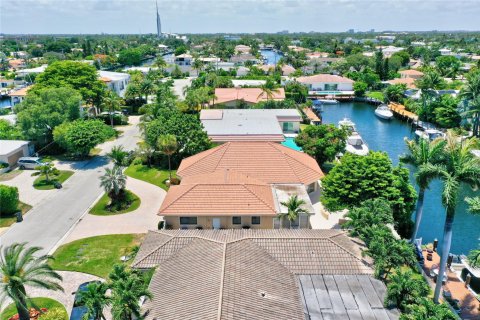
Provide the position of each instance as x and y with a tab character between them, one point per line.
212	16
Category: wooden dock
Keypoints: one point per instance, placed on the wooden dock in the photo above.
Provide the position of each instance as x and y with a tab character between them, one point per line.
400	109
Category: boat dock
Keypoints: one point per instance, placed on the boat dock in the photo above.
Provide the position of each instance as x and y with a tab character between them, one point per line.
400	110
312	117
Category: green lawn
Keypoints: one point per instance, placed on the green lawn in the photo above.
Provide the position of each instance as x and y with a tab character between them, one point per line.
47	303
100	208
95	255
42	184
151	175
8	220
376	95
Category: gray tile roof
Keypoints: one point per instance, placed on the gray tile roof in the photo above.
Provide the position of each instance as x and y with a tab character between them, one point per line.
241	274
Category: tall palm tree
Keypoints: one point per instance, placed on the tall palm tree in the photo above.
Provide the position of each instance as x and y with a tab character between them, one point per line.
114	182
167	144
474	258
95	300
459	167
294	207
160	63
198	65
430	81
147	87
21	266
421	153
128	287
471	93
112	103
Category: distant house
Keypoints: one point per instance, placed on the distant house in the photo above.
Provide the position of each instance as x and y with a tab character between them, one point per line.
18	96
115	81
234	97
414	74
239	49
445	52
327	82
25	72
269	68
12	150
16	64
409	82
240	184
183	60
259	274
240	59
388	51
226	125
237	83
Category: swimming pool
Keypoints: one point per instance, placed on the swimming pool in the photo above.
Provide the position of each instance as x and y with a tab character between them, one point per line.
290	143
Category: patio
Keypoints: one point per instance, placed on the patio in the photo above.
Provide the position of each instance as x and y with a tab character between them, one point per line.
470	306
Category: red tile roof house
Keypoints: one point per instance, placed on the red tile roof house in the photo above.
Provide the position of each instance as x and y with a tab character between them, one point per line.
232	97
240	185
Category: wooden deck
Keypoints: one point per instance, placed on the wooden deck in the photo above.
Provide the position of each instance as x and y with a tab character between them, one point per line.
314	119
400	110
468	302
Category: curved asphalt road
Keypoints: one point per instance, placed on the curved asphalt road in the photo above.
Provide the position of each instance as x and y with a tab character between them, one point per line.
48	222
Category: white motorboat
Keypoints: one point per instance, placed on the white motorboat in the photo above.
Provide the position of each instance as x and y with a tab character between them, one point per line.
430	134
328	101
384	112
355	143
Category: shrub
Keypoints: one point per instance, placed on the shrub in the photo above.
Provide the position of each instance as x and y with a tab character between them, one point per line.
3	165
8	199
80	136
405	289
53	314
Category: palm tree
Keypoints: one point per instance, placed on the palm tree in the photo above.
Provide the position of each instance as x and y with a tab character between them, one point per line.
167	144
21	266
473	204
128	287
95	300
421	153
431	80
459	167
405	289
294	209
268	91
47	169
118	156
112	102
474	258
198	65
426	309
147	87
160	63
471	93
114	182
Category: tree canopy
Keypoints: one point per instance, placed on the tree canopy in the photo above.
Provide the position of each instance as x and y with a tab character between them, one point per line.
46	108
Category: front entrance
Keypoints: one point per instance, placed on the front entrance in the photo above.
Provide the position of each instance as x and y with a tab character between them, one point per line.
216	223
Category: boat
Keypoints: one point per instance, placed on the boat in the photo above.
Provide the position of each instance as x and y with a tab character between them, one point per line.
384	112
355	143
430	134
328	101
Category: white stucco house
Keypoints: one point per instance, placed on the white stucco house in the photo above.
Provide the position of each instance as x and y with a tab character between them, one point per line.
115	81
326	82
12	150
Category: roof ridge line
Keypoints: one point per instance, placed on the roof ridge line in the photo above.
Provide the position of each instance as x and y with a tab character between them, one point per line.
206	155
349	252
222	278
178	198
157	247
224	149
253	192
288	163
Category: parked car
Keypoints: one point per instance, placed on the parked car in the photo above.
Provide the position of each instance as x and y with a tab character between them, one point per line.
29	162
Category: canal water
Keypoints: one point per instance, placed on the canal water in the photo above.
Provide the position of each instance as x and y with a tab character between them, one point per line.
272	56
388	136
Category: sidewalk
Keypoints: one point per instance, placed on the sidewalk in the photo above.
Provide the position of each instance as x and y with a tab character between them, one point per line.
139	221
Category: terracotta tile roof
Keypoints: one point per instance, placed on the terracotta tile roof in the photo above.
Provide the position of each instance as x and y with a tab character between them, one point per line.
105	79
20	93
225	199
266	161
329	78
241	274
411	72
251	95
409	82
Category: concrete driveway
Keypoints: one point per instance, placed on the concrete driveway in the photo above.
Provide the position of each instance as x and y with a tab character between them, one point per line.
28	194
139	221
51	219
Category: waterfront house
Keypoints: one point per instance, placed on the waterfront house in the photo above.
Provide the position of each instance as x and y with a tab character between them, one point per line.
270	68
225	125
183	60
326	82
235	97
18	96
241	185
241	49
237	83
259	274
409	82
240	59
411	73
115	81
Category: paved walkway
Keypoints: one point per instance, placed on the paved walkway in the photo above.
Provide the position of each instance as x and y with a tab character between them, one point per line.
28	194
139	221
70	283
322	219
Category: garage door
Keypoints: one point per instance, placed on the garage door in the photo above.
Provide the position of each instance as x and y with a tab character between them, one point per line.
12	159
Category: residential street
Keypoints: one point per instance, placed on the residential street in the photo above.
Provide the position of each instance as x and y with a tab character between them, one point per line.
50	220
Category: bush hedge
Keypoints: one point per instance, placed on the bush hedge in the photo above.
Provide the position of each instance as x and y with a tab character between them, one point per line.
8	199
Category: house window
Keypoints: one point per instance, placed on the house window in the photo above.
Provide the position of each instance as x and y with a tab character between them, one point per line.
331	86
287	126
188	220
256	220
236	220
